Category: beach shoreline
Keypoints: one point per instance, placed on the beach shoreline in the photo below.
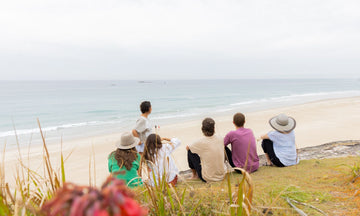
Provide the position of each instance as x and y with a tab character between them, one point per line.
318	122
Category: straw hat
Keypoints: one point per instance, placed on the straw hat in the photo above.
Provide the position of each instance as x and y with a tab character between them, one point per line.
282	123
127	141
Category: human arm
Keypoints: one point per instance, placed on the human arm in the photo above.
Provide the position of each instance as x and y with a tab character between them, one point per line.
196	147
135	133
166	139
265	136
227	139
140	126
173	143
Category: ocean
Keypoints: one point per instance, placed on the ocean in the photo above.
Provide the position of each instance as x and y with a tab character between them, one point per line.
76	109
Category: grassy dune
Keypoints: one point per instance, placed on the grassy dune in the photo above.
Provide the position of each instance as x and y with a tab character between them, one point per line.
313	187
328	185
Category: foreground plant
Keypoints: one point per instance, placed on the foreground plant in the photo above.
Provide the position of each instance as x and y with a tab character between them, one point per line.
113	199
31	188
5	200
241	199
162	197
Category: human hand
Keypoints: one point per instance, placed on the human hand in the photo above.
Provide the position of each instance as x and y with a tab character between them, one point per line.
166	139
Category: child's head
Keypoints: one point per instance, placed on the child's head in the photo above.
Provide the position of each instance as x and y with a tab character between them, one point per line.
126	153
152	145
145	107
125	157
208	127
239	120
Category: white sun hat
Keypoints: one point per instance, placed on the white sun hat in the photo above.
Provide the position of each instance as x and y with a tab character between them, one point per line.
127	141
282	123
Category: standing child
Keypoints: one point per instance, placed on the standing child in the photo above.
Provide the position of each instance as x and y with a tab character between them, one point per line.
143	126
124	162
158	159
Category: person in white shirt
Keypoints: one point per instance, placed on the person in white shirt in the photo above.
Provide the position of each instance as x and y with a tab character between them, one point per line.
158	159
279	145
143	126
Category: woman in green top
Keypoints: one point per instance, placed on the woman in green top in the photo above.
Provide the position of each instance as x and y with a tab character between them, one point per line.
124	162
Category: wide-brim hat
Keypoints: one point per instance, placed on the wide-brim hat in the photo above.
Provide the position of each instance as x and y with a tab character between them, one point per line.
283	123
127	141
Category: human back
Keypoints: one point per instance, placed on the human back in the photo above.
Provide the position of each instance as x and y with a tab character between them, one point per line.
206	155
157	157
279	145
284	146
243	148
243	151
143	125
124	162
211	152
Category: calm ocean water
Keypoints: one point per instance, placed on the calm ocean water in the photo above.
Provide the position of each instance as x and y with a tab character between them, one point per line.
75	109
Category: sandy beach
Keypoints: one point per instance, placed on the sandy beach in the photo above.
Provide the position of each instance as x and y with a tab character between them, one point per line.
317	123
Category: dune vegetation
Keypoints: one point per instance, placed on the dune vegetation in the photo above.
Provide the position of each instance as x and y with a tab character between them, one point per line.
313	187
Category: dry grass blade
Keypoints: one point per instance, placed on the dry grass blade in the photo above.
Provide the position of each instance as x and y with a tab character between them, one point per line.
296	208
17	140
273	202
245	193
177	199
90	170
43	139
308	205
53	179
18	146
94	163
2	168
48	169
9	193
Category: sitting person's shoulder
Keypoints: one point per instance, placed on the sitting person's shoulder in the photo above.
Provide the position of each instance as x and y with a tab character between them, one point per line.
217	138
111	155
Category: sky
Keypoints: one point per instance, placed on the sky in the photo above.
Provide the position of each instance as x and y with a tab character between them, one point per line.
178	39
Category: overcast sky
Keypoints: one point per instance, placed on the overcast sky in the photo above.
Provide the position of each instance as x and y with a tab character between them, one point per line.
179	39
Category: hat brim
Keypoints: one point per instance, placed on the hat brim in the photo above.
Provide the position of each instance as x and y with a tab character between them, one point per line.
287	128
119	145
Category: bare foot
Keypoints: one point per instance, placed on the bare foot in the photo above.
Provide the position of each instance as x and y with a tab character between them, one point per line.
194	177
268	164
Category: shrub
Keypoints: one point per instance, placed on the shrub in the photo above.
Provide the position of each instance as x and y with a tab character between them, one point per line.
114	199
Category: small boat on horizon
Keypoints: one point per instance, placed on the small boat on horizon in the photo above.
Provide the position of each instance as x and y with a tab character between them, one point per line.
142	81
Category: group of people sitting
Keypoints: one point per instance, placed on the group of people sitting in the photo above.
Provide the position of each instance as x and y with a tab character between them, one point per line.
142	156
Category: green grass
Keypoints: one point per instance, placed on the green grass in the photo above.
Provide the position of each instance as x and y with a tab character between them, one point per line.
321	183
316	185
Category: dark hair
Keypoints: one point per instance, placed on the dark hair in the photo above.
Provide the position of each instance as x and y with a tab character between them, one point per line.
145	106
239	119
152	146
124	157
208	126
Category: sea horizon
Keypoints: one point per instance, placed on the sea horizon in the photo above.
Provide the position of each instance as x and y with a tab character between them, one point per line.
75	109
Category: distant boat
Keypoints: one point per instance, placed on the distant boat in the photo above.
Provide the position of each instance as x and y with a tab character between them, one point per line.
142	81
